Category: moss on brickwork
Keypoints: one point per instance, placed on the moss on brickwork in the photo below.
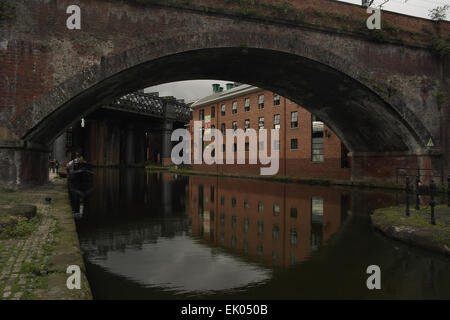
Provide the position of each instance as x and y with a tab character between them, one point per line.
282	11
7	10
440	47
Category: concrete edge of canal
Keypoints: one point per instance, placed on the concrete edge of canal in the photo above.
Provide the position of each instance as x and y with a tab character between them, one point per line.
415	229
288	179
35	266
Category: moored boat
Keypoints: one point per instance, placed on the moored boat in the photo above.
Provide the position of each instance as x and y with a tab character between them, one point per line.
80	171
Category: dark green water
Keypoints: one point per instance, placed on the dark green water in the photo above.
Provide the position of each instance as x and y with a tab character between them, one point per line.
162	236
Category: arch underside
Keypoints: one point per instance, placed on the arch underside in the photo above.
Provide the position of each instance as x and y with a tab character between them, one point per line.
362	119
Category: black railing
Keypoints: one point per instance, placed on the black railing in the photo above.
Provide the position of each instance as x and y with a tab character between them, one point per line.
417	174
432	198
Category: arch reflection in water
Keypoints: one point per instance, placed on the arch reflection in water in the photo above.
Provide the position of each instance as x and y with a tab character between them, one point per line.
135	226
162	236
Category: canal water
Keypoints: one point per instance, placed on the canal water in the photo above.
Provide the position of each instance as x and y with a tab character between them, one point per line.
163	236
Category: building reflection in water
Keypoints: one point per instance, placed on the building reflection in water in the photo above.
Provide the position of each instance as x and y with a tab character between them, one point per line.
277	224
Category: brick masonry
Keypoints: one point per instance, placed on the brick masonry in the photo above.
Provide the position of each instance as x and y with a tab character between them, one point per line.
51	76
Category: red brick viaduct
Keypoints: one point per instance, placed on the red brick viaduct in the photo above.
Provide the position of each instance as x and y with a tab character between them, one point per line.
384	92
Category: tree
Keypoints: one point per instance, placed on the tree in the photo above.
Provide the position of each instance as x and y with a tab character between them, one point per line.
439	13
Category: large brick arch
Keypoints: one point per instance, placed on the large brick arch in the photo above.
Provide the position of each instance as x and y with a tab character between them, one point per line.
315	77
377	96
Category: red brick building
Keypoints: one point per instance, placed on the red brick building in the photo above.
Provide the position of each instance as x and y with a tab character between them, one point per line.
307	147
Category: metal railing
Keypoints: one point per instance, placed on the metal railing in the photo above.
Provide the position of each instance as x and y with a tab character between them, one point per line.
418	173
432	197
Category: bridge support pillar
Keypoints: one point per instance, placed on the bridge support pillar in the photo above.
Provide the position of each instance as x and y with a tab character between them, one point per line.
22	164
166	194
130	157
387	166
59	149
166	143
141	147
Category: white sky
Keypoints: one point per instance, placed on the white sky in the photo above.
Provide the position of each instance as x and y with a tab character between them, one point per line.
196	89
417	8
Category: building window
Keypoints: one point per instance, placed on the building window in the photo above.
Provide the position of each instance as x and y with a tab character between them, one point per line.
276	121
234	109
247	104
317	206
213	112
293	259
276	209
246	204
223	129
247	124
222	218
316	222
294	213
246	225
261	122
260	228
293	236
317	150
294	119
233	222
276	145
294	144
260	206
261	101
275	258
276	100
275	232
234	126
233	242
223	109
211	192
233	202
201	114
222	200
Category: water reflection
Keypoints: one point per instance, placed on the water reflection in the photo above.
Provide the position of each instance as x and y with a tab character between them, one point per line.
162	236
144	236
278	225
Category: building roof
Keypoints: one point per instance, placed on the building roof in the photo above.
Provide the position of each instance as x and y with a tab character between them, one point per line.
225	95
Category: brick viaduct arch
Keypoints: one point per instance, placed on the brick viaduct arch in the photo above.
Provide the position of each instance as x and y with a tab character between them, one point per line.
363	90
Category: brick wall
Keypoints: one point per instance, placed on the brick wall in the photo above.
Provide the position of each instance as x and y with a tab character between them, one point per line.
295	162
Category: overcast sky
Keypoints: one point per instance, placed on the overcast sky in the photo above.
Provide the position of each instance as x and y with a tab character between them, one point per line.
193	90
